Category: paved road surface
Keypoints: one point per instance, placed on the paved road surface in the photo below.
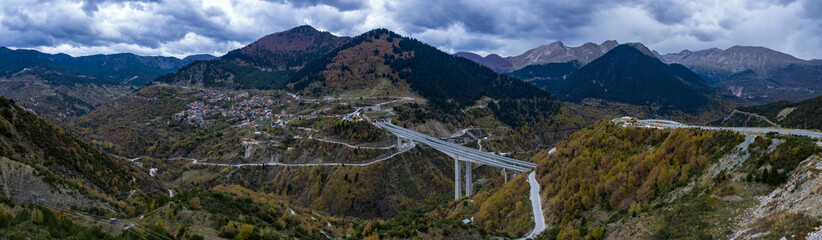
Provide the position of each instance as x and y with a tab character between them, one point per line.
672	124
536	204
455	150
405	149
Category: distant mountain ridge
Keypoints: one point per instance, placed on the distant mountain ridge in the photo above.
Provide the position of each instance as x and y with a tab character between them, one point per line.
755	73
61	87
200	57
734	59
493	61
120	68
555	52
626	74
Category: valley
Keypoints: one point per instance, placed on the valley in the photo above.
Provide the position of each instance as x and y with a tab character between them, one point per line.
304	134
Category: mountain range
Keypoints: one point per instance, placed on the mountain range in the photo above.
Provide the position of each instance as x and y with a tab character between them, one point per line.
757	74
62	87
627	75
378	62
555	52
121	68
492	61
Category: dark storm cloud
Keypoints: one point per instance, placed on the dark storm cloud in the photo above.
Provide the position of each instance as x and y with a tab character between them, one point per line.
669	12
186	17
812	9
703	35
91	6
23	29
345	5
507	27
510	18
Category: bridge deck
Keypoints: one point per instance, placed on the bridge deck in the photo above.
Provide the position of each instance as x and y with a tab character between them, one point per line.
457	151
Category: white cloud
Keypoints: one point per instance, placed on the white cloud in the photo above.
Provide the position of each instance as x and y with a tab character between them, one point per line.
181	27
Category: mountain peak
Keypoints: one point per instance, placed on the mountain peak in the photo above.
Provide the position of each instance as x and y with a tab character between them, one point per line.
292	48
557	52
628	74
642	48
556	44
494	56
305	27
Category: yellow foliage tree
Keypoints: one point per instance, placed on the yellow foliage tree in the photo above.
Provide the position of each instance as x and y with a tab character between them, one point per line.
245	232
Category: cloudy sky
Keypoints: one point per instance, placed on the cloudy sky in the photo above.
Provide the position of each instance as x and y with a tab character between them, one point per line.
508	27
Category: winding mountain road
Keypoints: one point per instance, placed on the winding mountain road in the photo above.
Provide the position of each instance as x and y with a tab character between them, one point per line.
536	204
351	146
672	124
403	150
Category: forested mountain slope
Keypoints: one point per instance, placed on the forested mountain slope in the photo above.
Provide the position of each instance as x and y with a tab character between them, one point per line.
61	87
31	146
619	181
649	87
801	115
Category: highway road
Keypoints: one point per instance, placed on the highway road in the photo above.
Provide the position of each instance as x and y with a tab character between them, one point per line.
458	151
672	124
536	205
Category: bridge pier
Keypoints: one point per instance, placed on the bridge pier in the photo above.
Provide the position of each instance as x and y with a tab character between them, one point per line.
468	179
505	175
457	190
467	156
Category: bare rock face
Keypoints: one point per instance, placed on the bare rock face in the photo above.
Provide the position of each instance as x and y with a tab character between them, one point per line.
734	59
557	52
